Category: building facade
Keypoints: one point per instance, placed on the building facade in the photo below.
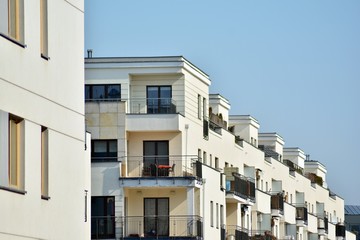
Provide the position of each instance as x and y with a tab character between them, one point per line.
44	169
352	219
169	162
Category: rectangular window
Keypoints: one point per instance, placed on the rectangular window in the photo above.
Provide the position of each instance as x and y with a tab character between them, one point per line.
222	215
204	109
102	217
44	29
12	20
104	150
159	100
44	162
156	158
211	214
102	91
204	157
216	163
217	215
199	155
199	106
16	163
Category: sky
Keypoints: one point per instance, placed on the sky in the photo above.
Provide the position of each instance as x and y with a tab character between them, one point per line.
293	65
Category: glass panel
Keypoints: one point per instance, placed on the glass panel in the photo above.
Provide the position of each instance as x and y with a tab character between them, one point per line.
165	100
113	91
87	92
98	92
163	151
163	219
149	216
113	146
152	99
100	146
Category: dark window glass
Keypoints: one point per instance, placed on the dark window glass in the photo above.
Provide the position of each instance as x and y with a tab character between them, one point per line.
103	217
102	91
159	99
104	150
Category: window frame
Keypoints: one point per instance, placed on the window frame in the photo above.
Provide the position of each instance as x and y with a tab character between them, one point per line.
13	11
106	94
108	156
44	42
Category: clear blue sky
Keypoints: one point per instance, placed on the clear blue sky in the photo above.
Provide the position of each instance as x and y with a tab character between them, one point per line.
293	65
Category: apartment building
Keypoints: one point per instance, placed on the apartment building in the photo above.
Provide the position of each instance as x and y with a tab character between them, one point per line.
169	162
44	167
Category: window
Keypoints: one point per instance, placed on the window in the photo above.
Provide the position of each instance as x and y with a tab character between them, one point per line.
12	20
103	150
211	214
221	215
216	163
44	29
217	215
199	155
158	99
204	108
155	153
210	163
102	91
44	163
199	106
16	164
204	157
156	216
102	217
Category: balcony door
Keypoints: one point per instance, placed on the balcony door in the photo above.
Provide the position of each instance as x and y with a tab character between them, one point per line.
102	217
158	99
156	216
155	153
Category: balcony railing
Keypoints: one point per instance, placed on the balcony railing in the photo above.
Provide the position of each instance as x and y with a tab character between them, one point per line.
162	226
241	186
277	202
152	106
261	235
301	212
235	232
293	167
139	227
161	166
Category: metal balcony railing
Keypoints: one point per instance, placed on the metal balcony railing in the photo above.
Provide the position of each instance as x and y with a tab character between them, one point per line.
241	186
235	232
162	226
161	166
293	167
168	226
261	235
152	106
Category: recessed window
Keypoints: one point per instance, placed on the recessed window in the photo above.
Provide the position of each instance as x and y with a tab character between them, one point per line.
102	92
12	20
44	162
199	106
104	150
159	100
44	28
211	214
102	217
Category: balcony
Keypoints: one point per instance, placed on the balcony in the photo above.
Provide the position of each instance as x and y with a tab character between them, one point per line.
261	235
323	224
301	215
240	189
235	232
293	167
340	230
277	204
152	106
183	227
160	167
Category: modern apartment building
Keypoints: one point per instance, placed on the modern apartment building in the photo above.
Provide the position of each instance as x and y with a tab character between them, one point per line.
169	162
44	167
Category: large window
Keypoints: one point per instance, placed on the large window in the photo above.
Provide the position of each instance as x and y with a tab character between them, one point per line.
103	150
44	28
156	217
102	217
156	153
12	19
159	99
102	91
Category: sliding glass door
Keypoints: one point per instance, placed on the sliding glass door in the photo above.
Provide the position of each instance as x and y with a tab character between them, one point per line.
159	99
156	216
